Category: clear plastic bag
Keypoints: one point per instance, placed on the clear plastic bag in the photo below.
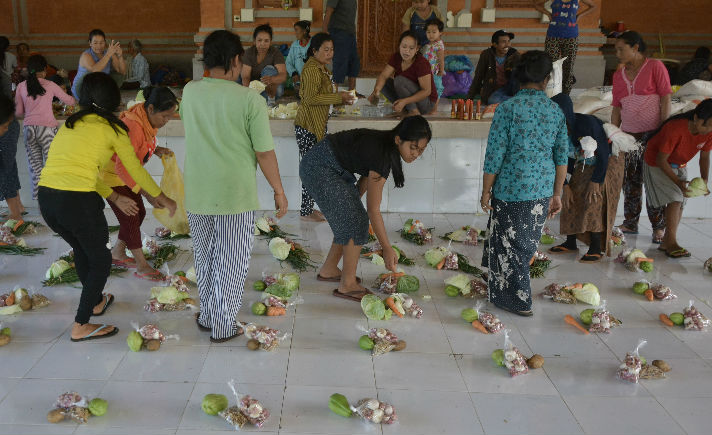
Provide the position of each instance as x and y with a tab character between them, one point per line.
629	371
268	338
172	186
247	410
601	319
694	320
375	411
488	320
662	292
514	361
383	339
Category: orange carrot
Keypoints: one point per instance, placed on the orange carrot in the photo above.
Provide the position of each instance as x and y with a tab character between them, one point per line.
666	320
644	260
480	327
396	274
370	230
390	303
571	321
577	285
184	279
532	260
440	264
649	295
276	311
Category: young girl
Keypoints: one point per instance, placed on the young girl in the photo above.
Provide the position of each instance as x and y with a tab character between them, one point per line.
407	80
143	121
434	51
416	17
328	173
33	99
70	189
318	93
678	140
298	52
9	180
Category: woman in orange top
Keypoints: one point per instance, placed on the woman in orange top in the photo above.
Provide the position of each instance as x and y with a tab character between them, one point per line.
143	121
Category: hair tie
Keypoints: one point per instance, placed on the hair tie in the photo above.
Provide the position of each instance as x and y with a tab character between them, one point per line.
99	107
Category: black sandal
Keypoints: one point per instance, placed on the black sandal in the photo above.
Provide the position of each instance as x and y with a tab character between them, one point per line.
201	327
591	258
561	249
239	332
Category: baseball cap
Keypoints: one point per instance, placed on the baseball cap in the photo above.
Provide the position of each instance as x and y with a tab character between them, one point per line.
498	33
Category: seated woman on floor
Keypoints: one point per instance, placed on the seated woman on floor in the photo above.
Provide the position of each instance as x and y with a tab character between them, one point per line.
265	63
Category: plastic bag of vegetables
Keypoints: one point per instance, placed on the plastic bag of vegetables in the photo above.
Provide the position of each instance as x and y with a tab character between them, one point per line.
371	410
247	410
629	370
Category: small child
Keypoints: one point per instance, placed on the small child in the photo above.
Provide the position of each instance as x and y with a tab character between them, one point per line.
416	17
298	52
434	51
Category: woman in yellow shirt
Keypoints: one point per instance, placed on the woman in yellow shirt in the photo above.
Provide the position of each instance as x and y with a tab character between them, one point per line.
70	189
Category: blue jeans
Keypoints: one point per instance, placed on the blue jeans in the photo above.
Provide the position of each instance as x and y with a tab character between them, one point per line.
270	71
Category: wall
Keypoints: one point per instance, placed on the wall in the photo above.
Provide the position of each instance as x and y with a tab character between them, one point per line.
58	29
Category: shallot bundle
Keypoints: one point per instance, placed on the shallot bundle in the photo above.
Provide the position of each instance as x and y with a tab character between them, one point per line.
693	319
601	319
514	361
629	371
375	411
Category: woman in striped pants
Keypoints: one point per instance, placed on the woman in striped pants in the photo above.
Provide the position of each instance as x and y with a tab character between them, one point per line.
226	135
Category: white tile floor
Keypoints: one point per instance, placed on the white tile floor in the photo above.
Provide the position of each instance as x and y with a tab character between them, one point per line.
443	383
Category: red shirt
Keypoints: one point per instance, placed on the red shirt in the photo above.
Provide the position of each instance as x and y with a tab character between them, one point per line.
419	68
675	139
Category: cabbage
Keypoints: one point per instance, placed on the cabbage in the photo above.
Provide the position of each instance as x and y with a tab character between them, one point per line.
373	307
168	295
279	248
408	284
259	309
547	239
191	275
278	290
56	269
588	294
289	280
257	85
635	253
377	260
135	341
407	225
469	315
458	235
214	403
697	187
10	223
460	281
263	224
98	407
435	255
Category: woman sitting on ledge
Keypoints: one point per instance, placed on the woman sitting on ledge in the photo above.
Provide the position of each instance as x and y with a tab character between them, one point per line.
265	63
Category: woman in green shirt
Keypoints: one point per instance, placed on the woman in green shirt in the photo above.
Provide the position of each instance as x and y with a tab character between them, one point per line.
226	135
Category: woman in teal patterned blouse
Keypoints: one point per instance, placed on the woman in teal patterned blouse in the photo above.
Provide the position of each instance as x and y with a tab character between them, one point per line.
524	171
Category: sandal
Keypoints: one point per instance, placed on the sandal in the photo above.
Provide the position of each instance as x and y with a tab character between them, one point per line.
129	263
334	279
678	253
561	249
154	276
591	258
108	300
92	335
201	327
355	295
626	230
239	332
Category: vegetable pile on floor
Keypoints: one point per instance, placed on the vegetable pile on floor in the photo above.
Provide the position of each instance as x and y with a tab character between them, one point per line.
20	228
247	410
173	297
571	293
73	405
600	317
399	304
160	254
20	300
390	283
617	237
467	235
414	231
485	322
11	245
653	291
267	227
635	259
380	341
371	410
539	265
461	284
163	233
63	271
291	252
262	337
5	335
147	337
512	359
377	249
629	370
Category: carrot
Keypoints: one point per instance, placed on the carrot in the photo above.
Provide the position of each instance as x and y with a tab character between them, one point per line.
396	274
644	260
184	279
390	303
666	320
532	260
370	230
480	327
649	295
276	311
440	264
571	321
577	285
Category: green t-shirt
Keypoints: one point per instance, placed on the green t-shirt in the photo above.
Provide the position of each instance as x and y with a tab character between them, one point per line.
225	124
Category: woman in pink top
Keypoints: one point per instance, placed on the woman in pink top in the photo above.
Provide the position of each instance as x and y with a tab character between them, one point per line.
33	99
641	102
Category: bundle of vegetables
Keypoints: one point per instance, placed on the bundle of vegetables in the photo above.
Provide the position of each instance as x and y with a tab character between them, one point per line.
570	293
371	410
461	284
380	341
399	282
377	250
538	265
617	237
696	187
374	308
20	300
708	265
291	252
267	227
163	233
629	370
248	409
72	405
401	304
63	271
5	335
19	228
601	319
414	231
587	318
147	336
512	359
467	235
290	282
262	337
172	297
160	254
547	237
653	291
442	258
693	319
635	259
486	322
371	234
273	306
560	293
11	245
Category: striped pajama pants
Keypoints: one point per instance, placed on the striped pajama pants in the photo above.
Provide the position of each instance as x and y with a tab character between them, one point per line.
37	141
222	245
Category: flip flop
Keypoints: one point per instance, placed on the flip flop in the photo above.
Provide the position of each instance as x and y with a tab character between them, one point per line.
239	332
154	276
560	249
678	253
129	263
355	295
201	327
334	279
93	336
591	258
658	240
109	300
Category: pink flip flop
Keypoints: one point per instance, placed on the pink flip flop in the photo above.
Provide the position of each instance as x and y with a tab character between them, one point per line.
129	263
154	276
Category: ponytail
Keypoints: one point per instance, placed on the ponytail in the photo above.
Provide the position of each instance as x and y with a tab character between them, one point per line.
35	64
99	96
703	111
160	98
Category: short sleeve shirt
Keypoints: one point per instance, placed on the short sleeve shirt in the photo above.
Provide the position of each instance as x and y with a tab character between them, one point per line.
225	124
361	151
563	19
430	51
273	57
652	78
344	15
419	68
675	139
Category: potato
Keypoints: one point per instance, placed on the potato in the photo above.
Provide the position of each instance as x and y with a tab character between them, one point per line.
26	303
152	344
662	365
4	339
253	344
536	361
400	345
55	416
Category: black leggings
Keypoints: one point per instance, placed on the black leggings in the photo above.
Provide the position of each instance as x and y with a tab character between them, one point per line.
78	217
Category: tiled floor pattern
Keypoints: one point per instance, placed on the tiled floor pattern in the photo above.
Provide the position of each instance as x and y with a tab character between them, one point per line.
444	382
